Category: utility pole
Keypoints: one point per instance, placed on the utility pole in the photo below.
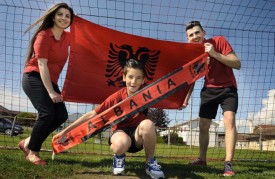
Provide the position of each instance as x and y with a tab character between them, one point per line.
260	139
169	135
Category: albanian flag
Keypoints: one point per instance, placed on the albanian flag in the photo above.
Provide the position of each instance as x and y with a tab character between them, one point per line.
98	55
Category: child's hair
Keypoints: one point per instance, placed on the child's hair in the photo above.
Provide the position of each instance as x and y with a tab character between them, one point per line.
131	63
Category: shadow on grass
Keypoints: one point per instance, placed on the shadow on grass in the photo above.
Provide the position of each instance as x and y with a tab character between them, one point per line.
137	169
255	167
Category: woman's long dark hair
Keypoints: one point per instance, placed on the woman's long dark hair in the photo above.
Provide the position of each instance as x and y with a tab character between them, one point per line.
46	22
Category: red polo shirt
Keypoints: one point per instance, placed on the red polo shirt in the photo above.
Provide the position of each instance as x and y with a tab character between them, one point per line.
55	51
114	99
220	75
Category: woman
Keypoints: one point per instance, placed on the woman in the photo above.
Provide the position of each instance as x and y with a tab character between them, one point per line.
46	57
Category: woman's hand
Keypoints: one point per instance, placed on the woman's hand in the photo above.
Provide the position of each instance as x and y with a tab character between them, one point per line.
56	98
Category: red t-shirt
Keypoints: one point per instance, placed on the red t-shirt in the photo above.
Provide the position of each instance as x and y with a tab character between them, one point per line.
220	75
55	51
114	99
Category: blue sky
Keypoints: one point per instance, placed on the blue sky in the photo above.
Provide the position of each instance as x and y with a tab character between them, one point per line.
248	26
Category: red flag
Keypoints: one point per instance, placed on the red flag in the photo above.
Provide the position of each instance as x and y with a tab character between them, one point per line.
98	54
144	98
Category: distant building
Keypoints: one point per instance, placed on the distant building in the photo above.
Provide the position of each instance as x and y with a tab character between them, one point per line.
261	137
75	116
189	132
7	113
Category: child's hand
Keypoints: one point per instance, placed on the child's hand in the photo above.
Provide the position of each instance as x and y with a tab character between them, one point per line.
57	136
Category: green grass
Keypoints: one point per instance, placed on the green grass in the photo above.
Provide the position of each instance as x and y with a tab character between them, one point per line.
173	151
69	165
91	160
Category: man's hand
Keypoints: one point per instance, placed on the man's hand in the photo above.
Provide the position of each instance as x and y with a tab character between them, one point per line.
209	48
184	105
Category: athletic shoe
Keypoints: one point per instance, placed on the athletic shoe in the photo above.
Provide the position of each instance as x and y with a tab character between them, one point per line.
118	164
228	169
198	162
153	169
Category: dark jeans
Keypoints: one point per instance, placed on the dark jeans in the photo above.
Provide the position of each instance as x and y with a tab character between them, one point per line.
50	115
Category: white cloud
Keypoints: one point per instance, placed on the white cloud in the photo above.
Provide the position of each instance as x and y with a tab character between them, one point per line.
19	102
78	107
15	102
267	114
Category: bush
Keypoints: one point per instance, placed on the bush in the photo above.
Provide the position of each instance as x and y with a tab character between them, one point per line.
160	140
174	138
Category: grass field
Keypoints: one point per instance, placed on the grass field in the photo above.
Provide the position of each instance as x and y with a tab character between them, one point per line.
93	160
83	166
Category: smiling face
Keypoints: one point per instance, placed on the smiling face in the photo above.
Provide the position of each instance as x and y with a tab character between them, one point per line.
195	35
62	18
134	78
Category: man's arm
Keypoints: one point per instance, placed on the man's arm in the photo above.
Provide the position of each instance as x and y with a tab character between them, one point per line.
230	60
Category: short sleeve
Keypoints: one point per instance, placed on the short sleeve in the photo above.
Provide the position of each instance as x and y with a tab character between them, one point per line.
42	45
223	44
109	102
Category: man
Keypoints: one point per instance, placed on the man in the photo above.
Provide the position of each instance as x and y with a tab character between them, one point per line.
220	88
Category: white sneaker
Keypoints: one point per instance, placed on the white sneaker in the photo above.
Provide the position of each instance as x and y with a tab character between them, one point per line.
153	169
118	164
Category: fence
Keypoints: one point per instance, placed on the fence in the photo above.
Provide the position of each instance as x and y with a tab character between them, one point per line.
248	25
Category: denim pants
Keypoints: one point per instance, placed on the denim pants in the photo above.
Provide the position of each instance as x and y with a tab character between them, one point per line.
50	115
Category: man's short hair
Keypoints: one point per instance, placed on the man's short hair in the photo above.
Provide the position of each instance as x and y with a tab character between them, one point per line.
192	24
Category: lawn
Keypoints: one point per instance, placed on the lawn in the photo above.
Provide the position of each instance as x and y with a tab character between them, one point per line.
83	166
94	160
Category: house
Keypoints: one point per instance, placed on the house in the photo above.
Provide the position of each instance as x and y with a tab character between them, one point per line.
189	132
75	116
261	137
7	113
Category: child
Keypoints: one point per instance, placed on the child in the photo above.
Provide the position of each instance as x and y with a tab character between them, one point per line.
132	134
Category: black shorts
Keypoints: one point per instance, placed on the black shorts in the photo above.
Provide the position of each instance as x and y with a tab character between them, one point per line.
131	133
211	98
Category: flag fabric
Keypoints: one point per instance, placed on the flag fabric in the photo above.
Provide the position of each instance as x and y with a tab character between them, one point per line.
143	99
98	55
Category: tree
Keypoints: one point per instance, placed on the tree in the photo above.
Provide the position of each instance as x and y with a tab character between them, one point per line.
27	115
159	117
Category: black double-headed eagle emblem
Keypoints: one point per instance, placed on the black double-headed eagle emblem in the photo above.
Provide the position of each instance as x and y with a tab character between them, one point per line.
118	56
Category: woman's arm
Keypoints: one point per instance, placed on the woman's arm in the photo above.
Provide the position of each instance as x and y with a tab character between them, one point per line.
46	79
